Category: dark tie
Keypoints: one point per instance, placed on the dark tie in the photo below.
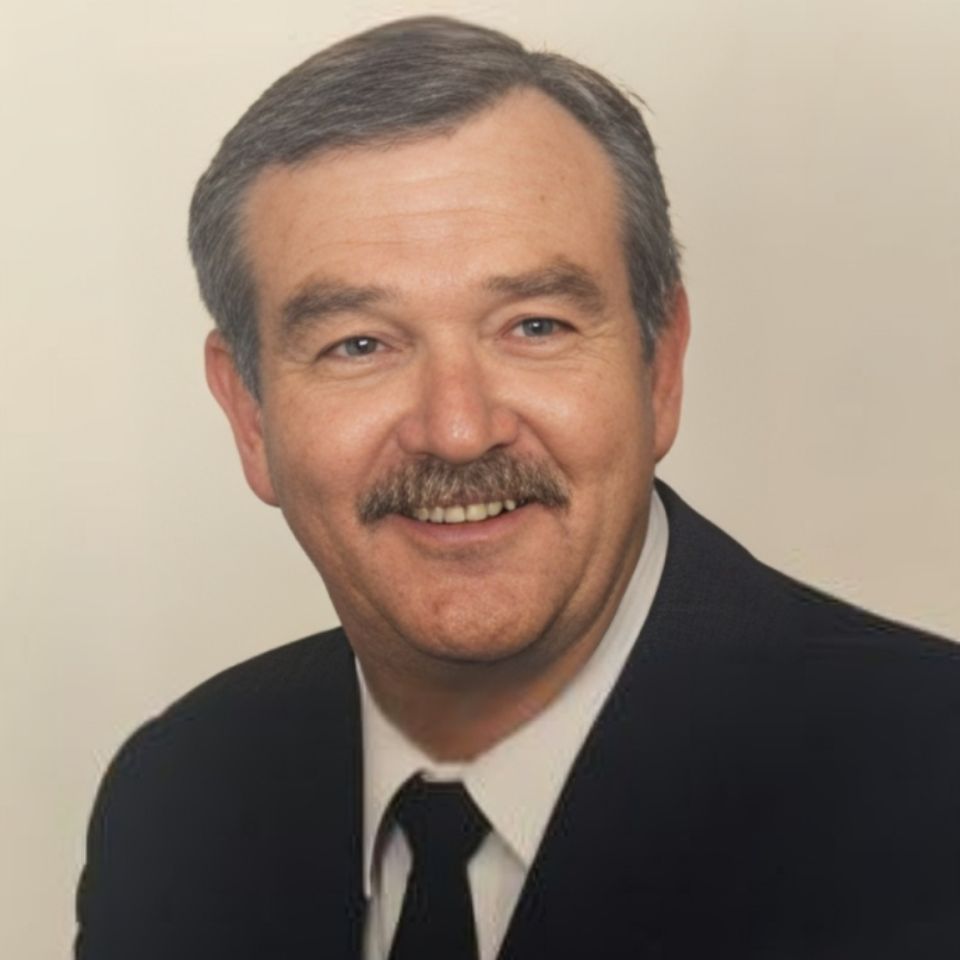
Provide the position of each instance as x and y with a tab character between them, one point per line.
443	828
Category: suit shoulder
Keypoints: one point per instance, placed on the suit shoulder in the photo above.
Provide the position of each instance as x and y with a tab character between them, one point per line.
734	597
197	800
257	715
255	700
839	624
297	667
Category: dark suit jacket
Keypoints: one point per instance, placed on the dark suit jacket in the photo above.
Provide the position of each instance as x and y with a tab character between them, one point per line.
775	775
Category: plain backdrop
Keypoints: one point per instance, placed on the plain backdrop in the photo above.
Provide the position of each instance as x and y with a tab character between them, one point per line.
812	152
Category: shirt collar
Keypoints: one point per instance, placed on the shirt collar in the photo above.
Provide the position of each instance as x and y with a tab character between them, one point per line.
518	781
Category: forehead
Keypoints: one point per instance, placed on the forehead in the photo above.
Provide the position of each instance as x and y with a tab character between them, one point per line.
520	184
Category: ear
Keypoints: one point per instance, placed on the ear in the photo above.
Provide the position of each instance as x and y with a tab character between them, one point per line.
667	373
243	412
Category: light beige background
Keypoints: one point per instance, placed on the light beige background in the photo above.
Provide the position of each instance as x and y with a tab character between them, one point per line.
812	151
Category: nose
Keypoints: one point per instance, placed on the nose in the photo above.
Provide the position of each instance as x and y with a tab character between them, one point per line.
457	413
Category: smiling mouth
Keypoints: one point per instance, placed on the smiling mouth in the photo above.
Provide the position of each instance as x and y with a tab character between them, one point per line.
466	513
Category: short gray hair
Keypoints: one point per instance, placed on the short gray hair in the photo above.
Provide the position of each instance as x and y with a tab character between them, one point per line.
401	81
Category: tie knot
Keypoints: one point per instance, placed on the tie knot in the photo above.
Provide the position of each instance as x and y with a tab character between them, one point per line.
441	822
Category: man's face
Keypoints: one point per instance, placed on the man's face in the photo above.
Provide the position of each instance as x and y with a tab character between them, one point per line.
426	308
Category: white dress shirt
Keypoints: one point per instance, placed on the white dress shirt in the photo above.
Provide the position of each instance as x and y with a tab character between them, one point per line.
516	783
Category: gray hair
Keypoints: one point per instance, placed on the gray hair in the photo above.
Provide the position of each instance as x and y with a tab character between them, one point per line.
401	81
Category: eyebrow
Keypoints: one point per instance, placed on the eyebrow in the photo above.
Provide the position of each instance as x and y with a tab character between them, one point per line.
561	278
322	299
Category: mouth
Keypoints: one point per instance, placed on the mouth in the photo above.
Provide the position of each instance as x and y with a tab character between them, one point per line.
430	490
466	512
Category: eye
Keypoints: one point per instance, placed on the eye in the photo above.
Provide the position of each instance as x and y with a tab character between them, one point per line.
356	347
538	327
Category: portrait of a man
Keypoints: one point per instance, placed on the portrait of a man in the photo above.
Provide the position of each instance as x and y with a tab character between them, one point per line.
564	714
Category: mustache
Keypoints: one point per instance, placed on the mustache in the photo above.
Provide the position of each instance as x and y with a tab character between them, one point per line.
432	482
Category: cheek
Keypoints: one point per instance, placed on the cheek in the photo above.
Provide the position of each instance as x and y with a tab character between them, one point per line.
592	423
327	445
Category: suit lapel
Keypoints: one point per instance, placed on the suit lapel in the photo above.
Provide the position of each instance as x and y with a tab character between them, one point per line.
636	820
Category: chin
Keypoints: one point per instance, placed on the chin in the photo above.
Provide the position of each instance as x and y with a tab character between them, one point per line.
480	651
475	640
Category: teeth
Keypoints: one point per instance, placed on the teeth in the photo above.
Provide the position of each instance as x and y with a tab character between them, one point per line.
470	513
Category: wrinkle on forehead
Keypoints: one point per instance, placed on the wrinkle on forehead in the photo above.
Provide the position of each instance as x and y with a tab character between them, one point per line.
523	177
525	136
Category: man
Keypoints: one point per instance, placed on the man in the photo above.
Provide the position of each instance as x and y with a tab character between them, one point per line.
564	716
